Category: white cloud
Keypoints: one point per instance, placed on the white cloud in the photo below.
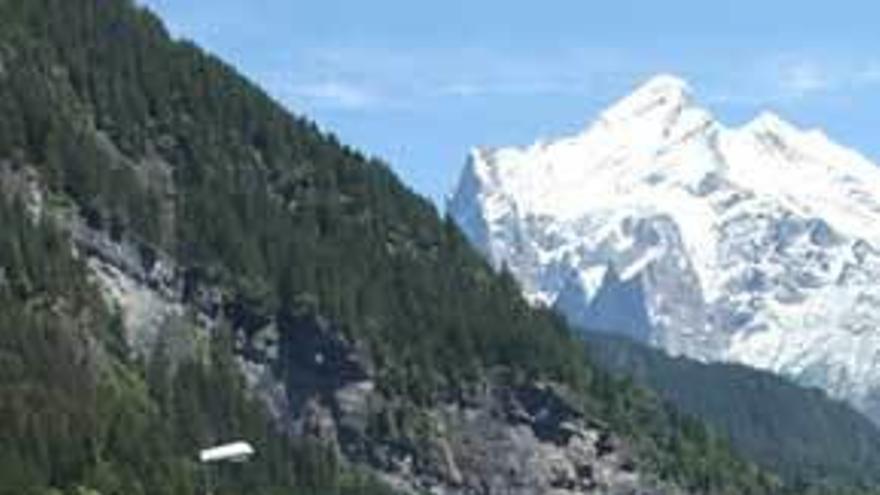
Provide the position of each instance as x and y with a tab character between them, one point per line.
411	77
335	94
360	78
525	87
803	78
871	75
463	89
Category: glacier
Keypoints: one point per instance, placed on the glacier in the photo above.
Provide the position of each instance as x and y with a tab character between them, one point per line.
757	244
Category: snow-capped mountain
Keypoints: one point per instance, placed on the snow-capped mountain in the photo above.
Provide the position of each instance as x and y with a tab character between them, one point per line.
757	244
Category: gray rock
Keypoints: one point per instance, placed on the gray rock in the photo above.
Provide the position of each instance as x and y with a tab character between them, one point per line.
527	440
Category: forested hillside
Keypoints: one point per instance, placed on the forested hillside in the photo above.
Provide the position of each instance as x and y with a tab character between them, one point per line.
800	433
155	144
76	412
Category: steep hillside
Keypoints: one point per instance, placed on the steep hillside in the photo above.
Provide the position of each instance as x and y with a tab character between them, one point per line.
276	285
798	432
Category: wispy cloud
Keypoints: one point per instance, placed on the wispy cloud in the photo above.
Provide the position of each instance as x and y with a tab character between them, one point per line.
469	89
871	74
787	79
359	78
363	78
335	94
805	77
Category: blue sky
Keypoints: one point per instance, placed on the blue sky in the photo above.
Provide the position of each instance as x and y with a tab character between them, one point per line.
418	83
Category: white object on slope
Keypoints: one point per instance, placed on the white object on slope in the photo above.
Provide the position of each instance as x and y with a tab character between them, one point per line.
232	452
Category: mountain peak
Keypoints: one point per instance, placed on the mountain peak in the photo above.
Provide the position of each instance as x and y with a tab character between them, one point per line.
657	114
769	122
666	83
662	93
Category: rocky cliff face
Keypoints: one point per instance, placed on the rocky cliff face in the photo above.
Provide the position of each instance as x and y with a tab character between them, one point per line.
527	440
523	441
754	245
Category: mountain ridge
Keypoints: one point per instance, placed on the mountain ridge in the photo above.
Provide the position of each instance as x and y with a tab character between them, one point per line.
752	244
